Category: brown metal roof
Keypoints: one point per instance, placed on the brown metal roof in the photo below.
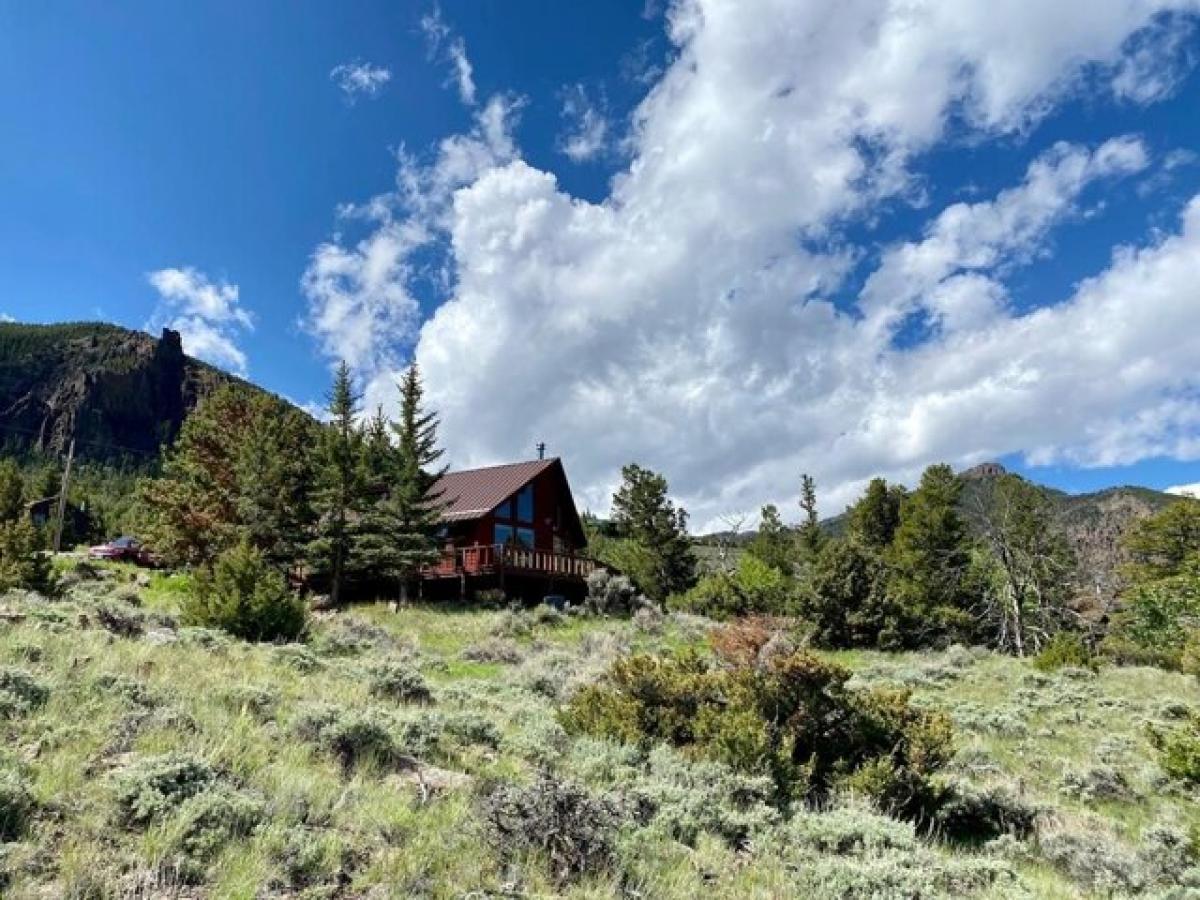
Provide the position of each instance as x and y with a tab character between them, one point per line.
472	493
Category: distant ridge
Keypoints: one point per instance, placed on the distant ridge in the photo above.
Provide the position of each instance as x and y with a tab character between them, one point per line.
121	394
1095	523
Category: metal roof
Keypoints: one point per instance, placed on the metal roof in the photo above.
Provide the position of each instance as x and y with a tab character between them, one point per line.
473	493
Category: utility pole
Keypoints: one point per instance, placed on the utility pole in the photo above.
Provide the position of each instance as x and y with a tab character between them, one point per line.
62	497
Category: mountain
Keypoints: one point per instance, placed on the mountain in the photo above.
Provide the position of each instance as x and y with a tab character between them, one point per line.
121	394
1094	523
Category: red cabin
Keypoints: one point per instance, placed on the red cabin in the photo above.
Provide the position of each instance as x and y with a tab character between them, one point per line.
512	527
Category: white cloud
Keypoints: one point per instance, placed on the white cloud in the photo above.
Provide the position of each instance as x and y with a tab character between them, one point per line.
586	136
1185	490
208	315
686	322
439	34
1156	62
359	77
5	317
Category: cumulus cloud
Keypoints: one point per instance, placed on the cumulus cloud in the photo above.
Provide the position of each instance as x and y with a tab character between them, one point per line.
689	320
442	40
207	314
1185	490
586	134
360	78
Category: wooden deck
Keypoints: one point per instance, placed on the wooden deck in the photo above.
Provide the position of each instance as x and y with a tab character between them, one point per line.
498	559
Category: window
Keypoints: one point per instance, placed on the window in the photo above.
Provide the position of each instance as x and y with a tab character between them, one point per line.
504	533
525	504
525	537
504	510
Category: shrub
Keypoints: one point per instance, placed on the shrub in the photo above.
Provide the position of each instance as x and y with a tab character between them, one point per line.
574	829
793	719
754	587
610	594
1179	748
259	702
683	799
977	813
353	737
398	681
121	620
208	820
494	650
16	806
348	635
22	565
1096	783
742	642
152	788
20	692
1064	649
244	596
1091	856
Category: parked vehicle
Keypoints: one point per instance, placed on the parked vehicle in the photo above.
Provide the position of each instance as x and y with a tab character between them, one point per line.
124	549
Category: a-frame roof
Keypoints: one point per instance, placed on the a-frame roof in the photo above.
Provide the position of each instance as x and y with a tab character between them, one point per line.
473	493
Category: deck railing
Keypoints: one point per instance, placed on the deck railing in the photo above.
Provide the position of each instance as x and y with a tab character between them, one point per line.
483	559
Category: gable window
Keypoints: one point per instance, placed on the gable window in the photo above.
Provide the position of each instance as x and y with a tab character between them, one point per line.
524	504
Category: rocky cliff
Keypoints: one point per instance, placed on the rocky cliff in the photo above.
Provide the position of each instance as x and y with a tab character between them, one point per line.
121	394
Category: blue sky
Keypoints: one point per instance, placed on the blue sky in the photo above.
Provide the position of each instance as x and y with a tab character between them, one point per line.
658	231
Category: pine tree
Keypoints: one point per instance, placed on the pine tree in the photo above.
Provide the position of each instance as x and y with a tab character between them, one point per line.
773	543
660	557
413	504
930	561
12	491
875	517
339	484
239	470
810	537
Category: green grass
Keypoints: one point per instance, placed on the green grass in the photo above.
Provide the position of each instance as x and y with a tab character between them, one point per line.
372	830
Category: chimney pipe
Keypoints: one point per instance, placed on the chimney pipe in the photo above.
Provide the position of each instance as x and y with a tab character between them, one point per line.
541	449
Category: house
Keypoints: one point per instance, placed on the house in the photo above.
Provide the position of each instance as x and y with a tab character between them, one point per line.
511	527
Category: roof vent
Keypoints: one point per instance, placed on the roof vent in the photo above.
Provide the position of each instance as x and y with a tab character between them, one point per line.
541	449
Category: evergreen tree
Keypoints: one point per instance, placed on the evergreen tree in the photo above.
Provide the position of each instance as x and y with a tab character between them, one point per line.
238	470
660	557
12	491
339	484
773	543
846	599
414	506
875	517
1160	544
810	537
930	561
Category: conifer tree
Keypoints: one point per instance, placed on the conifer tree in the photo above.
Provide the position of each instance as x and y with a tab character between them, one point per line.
413	504
339	484
810	537
875	517
12	490
773	543
659	557
240	469
930	561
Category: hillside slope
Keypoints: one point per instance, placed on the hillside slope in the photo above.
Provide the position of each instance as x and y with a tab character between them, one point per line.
120	393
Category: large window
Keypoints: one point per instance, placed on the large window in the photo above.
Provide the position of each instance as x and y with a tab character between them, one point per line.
525	504
506	534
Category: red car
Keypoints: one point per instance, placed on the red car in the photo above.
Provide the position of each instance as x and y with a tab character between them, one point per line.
124	549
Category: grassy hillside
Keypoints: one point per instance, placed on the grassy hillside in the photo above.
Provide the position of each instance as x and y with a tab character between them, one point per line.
139	758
